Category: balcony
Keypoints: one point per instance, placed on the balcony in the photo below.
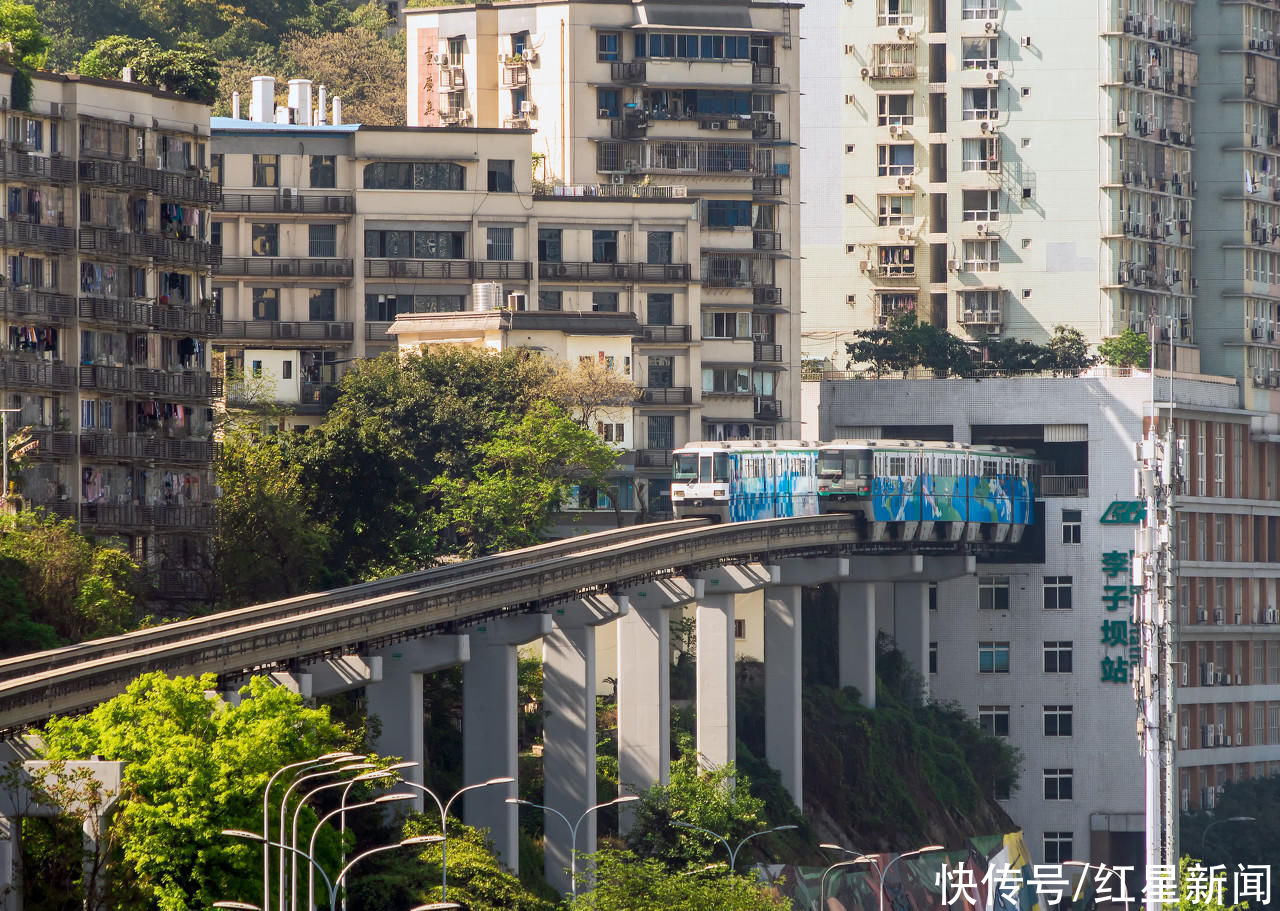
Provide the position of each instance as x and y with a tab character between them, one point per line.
115	243
315	398
192	384
17	165
1064	485
32	372
101	515
613	272
679	156
765	128
766	186
515	73
768	409
666	334
43	237
612	191
482	269
285	267
42	304
666	395
653	458
766	240
145	312
766	353
304	204
53	444
765	75
278	329
126	174
121	446
376	331
627	73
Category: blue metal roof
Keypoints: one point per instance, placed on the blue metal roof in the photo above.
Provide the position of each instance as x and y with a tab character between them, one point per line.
231	123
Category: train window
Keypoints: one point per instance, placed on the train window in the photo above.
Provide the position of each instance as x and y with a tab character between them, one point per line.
988	468
685	467
721	470
859	463
897	465
830	462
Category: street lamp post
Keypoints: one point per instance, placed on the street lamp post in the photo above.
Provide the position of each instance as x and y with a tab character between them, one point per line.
1204	836
353	758
266	815
389	772
403	843
315	833
573	830
887	867
822	884
444	824
297	815
733	852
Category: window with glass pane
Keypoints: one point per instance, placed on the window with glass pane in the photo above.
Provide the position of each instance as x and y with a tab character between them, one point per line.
438	303
414	175
895	110
660	247
500	243
1058	847
726	380
978	54
1057	592
607	46
982	255
604	246
894	12
762	382
383	308
323	305
661	310
608	103
501	172
266	170
322	240
980	104
981	205
266	303
1057	657
897	160
550	300
324	171
215	233
661	370
265	240
993	657
725	325
217	161
550	245
896	210
604	301
981	306
1057	720
439	244
994	719
728	213
993	592
1057	784
662	431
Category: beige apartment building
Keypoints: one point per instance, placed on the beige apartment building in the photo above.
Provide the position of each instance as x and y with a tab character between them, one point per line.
105	318
693	99
332	232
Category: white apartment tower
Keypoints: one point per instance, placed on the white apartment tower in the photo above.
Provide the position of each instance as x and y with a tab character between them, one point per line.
1003	168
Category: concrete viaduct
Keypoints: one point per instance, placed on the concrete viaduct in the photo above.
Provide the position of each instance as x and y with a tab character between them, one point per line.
384	636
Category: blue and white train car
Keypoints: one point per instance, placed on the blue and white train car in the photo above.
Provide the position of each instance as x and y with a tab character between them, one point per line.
740	481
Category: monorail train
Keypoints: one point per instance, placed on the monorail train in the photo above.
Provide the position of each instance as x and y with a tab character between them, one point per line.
899	489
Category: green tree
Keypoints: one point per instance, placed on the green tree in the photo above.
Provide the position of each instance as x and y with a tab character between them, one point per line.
523	476
1069	351
626	882
1128	349
188	69
20	27
268	544
194	766
1202	890
1246	825
1011	355
906	343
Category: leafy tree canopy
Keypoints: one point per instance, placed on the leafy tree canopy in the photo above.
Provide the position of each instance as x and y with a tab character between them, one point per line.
625	882
1128	349
21	28
189	69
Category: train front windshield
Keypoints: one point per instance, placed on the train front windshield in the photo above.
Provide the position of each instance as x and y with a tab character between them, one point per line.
839	463
686	467
830	463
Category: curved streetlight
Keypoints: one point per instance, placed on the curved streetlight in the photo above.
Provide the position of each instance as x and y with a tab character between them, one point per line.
444	824
887	867
573	829
254	836
325	759
403	843
315	833
388	772
859	858
297	814
353	759
733	852
1204	836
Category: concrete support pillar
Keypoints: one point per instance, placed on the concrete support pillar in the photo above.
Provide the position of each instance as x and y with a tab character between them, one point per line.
339	675
397	697
783	709
911	625
857	634
569	728
10	854
489	744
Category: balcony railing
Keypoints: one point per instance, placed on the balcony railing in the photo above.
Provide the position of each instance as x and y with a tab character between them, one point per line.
768	409
42	304
744	159
765	75
666	395
116	445
277	329
666	333
33	372
634	71
286	267
766	240
766	353
376	331
447	268
16	165
306	204
613	191
195	384
46	237
1064	485
110	516
653	458
317	397
145	312
766	186
612	272
182	187
515	75
185	252
53	444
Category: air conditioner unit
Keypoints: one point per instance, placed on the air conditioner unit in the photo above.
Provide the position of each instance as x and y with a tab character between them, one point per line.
896	130
1122	118
1026	41
517	300
528	107
286	268
604	112
904	34
904	183
993	75
1256	332
866	266
530	55
991	28
1239	682
618	179
1269	615
620	271
865	72
769	116
954	265
988	126
904	233
980	229
771	295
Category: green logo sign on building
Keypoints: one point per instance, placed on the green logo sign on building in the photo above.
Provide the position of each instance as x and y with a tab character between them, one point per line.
1125	512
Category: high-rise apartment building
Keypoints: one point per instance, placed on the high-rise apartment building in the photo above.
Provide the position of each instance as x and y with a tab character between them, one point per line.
106	317
624	99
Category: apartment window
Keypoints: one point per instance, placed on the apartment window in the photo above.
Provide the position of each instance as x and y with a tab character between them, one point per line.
896	210
993	657
500	243
608	103
993	593
323	305
661	309
1219	460
981	307
1057	657
217	161
266	303
726	380
324	171
1219	538
266	170
1072	522
414	175
661	371
895	110
215	233
607	46
322	240
415	244
981	205
896	160
981	154
981	104
604	246
978	54
1057	845
286	370
550	245
979	9
893	12
660	247
457	47
896	261
265	240
1057	592
982	255
725	325
894	61
1057	784
1057	720
933	657
739	629
501	172
257	368
604	301
728	213
994	719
